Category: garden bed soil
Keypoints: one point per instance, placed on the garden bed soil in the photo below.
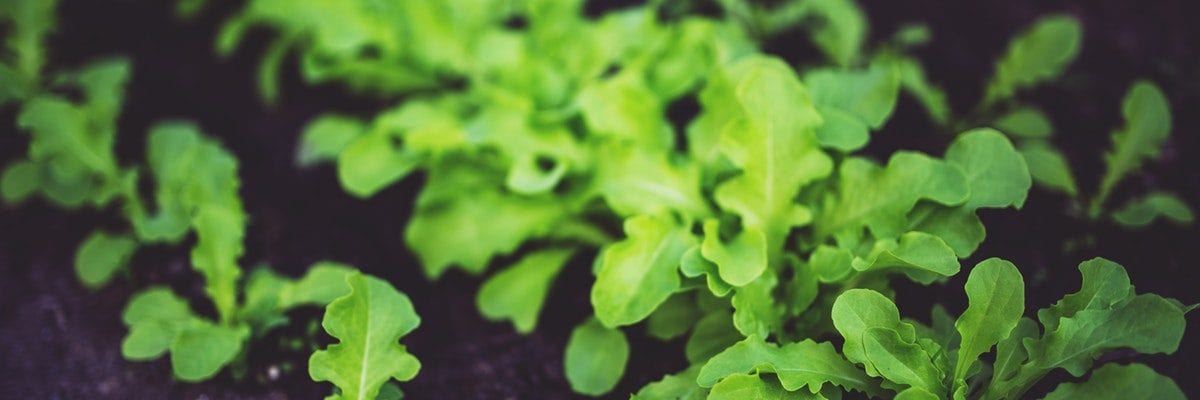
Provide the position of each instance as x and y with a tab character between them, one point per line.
61	341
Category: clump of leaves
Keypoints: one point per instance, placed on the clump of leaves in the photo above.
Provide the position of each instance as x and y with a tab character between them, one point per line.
1041	54
884	353
747	222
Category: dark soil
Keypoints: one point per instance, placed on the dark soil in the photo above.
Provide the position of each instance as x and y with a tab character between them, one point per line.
60	341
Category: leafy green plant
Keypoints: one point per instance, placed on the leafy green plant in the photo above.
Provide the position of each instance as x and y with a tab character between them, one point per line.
71	162
885	353
1039	55
756	211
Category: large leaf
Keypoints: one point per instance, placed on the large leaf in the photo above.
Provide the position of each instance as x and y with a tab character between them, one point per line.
774	144
995	302
797	365
640	272
1115	381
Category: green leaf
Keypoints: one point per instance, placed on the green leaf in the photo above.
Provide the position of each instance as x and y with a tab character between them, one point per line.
915	393
640	272
518	292
623	107
595	358
923	257
201	350
901	361
673	317
995	302
693	265
997	177
450	229
879	198
636	180
1144	211
756	311
1025	122
797	365
1147	324
996	173
1114	381
1049	168
368	323
1105	285
20	180
855	312
852	102
1011	351
1147	126
100	256
325	137
931	97
219	233
369	163
324	282
712	334
776	133
844	31
681	386
832	264
740	260
752	387
1036	55
154	317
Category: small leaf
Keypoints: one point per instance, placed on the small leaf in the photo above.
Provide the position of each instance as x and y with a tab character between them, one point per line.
1147	126
368	163
740	260
1025	122
100	256
325	137
1049	168
1038	54
595	358
518	292
1144	211
20	180
368	323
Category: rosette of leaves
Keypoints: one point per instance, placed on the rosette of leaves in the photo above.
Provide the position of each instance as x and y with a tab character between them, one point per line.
747	222
884	355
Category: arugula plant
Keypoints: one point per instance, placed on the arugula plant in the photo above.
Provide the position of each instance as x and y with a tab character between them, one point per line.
883	353
748	221
71	163
1038	55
